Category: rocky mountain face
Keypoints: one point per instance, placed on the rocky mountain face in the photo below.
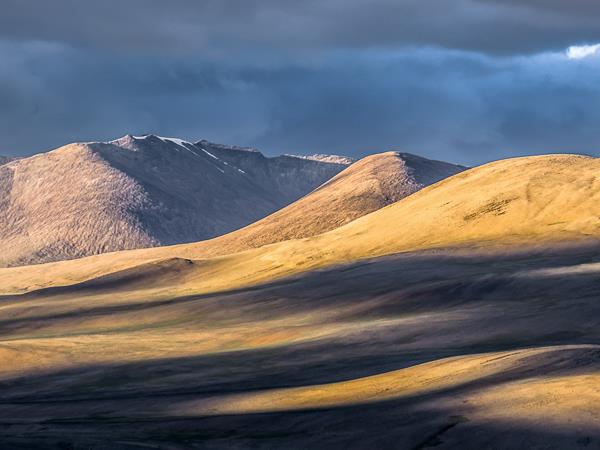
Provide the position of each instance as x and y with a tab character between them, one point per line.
144	191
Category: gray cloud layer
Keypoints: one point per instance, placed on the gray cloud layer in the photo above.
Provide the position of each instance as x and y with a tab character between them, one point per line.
217	27
467	80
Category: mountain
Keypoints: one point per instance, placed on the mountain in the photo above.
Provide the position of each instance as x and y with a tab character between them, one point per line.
97	197
483	336
366	186
539	199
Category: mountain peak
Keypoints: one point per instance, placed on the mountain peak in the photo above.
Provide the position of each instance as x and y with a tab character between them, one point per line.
129	138
140	191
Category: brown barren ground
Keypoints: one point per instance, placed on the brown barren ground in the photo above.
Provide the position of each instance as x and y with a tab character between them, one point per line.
487	347
464	350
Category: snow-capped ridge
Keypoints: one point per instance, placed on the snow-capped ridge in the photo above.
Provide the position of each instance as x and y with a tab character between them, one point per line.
333	159
140	191
131	137
203	144
133	142
176	141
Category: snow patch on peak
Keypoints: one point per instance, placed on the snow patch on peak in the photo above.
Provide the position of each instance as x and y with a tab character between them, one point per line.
177	141
117	141
332	159
127	141
210	154
220	160
130	137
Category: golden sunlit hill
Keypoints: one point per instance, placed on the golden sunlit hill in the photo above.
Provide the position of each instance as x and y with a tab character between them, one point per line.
523	200
463	316
366	186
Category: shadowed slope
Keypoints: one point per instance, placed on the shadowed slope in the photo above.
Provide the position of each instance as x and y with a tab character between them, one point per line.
5	159
463	350
433	377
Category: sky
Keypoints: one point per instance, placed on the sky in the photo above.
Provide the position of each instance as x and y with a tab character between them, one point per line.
467	81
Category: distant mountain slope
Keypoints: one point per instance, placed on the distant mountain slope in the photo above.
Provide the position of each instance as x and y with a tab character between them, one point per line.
366	186
5	159
538	199
89	198
531	200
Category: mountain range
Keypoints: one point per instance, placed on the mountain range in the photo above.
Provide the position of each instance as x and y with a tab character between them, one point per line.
133	192
367	185
403	303
146	191
546	199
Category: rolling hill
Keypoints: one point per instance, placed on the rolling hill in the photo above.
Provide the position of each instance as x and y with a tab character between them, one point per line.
404	351
541	199
366	186
462	316
90	198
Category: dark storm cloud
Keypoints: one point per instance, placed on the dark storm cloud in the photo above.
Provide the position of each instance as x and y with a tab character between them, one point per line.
452	105
216	28
51	95
464	80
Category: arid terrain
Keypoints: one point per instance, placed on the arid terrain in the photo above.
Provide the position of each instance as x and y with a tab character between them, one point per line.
300	225
372	313
463	349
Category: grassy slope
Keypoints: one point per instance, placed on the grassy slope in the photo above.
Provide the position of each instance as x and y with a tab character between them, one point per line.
409	344
544	199
456	350
366	186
